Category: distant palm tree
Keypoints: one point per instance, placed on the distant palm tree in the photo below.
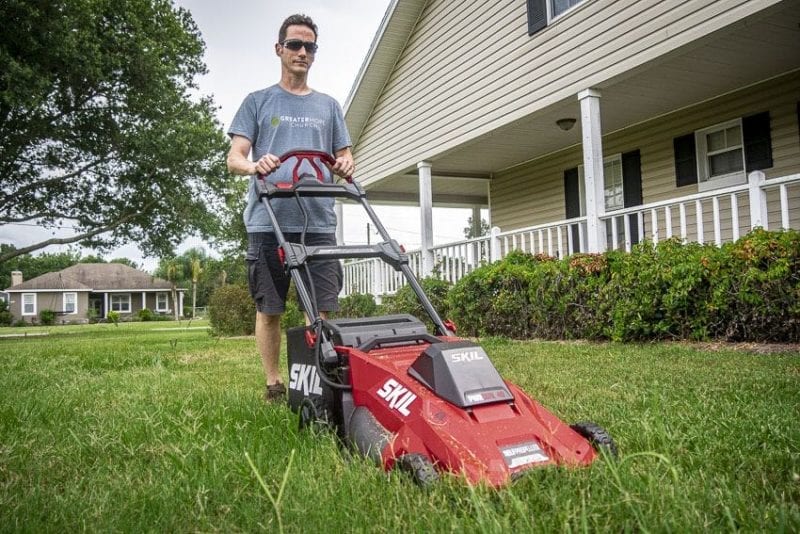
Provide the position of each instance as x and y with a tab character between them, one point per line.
197	270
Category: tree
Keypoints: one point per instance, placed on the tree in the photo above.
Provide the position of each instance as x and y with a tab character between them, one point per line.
196	270
470	231
97	127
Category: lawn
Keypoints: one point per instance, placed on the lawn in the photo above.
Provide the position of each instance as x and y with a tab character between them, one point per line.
159	427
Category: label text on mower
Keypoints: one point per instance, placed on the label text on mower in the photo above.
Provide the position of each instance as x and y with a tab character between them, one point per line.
468	356
304	378
398	397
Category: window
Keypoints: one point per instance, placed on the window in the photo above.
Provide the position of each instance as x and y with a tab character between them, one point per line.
70	303
121	303
162	302
720	155
557	7
540	12
613	188
29	304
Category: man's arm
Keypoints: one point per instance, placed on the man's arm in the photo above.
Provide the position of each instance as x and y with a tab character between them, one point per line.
239	160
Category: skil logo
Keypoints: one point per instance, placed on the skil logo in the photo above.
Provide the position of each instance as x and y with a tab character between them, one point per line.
398	397
304	378
468	356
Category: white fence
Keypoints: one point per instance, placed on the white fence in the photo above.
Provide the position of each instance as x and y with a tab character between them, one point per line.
717	216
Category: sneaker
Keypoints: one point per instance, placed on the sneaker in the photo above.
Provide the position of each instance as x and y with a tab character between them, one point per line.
275	392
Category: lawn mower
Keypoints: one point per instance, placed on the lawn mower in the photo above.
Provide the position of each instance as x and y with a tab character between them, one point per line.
422	402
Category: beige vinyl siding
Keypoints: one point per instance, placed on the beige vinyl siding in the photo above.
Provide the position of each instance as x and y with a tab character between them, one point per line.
534	193
440	95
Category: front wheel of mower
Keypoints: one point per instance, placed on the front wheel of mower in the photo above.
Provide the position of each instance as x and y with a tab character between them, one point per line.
598	436
314	414
419	467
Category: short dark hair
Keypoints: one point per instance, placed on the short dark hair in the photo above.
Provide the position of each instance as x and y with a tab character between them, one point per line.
296	20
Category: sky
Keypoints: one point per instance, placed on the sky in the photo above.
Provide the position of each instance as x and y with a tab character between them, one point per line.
240	37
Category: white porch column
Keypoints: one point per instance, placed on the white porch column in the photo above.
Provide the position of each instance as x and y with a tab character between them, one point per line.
180	304
144	300
495	250
105	305
339	223
426	216
593	180
758	200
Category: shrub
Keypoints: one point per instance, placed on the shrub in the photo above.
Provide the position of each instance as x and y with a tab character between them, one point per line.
564	297
113	317
406	301
660	291
6	319
231	311
494	299
292	316
146	314
47	317
358	305
757	289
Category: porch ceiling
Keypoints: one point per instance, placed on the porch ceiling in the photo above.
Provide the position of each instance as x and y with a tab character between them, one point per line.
751	51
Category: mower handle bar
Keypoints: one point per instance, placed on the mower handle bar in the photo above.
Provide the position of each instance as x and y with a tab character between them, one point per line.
298	187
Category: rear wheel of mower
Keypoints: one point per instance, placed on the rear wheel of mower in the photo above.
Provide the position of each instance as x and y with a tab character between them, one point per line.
597	436
314	414
419	467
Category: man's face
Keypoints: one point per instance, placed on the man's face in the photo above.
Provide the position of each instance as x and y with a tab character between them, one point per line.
296	62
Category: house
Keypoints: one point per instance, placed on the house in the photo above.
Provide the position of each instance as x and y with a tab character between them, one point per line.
88	290
583	125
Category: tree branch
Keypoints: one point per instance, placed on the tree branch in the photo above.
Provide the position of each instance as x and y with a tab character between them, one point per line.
74	239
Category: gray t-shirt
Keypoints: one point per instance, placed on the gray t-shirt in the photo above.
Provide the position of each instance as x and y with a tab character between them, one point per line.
276	121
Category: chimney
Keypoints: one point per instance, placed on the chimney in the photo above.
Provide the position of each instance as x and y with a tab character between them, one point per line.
16	278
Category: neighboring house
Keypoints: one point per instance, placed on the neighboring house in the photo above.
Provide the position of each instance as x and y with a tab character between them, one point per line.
583	125
88	290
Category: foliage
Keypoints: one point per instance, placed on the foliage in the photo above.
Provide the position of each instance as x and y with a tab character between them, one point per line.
292	316
358	305
470	231
96	110
47	317
113	317
494	299
564	297
146	314
406	301
661	291
757	287
231	311
5	316
748	290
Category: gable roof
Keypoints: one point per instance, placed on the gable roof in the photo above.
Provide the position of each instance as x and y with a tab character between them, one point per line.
390	40
94	277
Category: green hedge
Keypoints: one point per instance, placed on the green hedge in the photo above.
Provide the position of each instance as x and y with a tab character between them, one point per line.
744	291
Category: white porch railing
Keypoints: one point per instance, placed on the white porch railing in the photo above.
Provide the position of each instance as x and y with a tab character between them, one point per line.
717	216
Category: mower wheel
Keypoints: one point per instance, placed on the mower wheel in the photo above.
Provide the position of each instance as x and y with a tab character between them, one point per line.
419	467
598	436
314	414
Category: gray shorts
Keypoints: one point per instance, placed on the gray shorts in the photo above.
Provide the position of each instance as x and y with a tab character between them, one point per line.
269	282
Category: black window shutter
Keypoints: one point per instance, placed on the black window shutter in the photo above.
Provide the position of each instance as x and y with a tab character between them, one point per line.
632	188
572	199
757	142
537	15
572	193
632	178
685	160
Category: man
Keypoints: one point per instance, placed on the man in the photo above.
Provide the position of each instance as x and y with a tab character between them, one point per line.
284	117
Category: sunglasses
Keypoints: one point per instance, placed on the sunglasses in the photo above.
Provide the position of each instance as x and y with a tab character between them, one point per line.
296	44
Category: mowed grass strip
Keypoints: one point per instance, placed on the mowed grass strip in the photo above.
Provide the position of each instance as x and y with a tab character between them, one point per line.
136	428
